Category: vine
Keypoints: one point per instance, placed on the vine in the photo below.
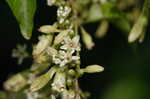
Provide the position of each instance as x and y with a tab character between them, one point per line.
56	64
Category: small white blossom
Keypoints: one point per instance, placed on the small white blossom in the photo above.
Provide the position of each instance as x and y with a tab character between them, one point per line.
62	13
71	44
64	57
67	49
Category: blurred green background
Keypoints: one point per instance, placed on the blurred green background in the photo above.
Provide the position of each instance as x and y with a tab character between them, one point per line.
127	68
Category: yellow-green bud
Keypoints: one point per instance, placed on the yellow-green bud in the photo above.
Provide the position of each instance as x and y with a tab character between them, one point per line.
93	69
15	83
41	81
48	29
44	42
87	39
138	29
102	29
59	83
51	51
60	37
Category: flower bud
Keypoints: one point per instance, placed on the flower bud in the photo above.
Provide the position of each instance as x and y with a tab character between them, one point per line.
41	58
41	81
102	29
68	94
15	83
59	83
138	29
44	42
87	39
60	37
93	69
51	51
48	29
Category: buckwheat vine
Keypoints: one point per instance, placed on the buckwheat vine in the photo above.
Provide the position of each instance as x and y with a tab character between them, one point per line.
56	59
56	65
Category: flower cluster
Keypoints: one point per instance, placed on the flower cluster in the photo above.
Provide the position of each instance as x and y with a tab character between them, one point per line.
58	50
67	50
62	13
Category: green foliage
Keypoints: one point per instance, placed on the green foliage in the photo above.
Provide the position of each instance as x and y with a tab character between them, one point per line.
24	11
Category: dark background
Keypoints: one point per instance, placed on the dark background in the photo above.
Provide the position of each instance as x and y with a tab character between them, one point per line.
126	74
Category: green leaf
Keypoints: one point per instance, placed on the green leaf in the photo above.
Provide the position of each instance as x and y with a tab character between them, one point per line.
24	11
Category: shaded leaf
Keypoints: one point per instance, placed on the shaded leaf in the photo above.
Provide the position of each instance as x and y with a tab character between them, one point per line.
24	11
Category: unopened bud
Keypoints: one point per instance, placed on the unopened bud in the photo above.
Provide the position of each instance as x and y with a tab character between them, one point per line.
15	83
59	83
50	2
41	81
93	69
44	42
48	29
51	51
60	37
102	29
87	39
138	29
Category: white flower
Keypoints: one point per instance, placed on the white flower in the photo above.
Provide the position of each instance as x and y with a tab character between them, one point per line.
71	44
64	57
62	13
